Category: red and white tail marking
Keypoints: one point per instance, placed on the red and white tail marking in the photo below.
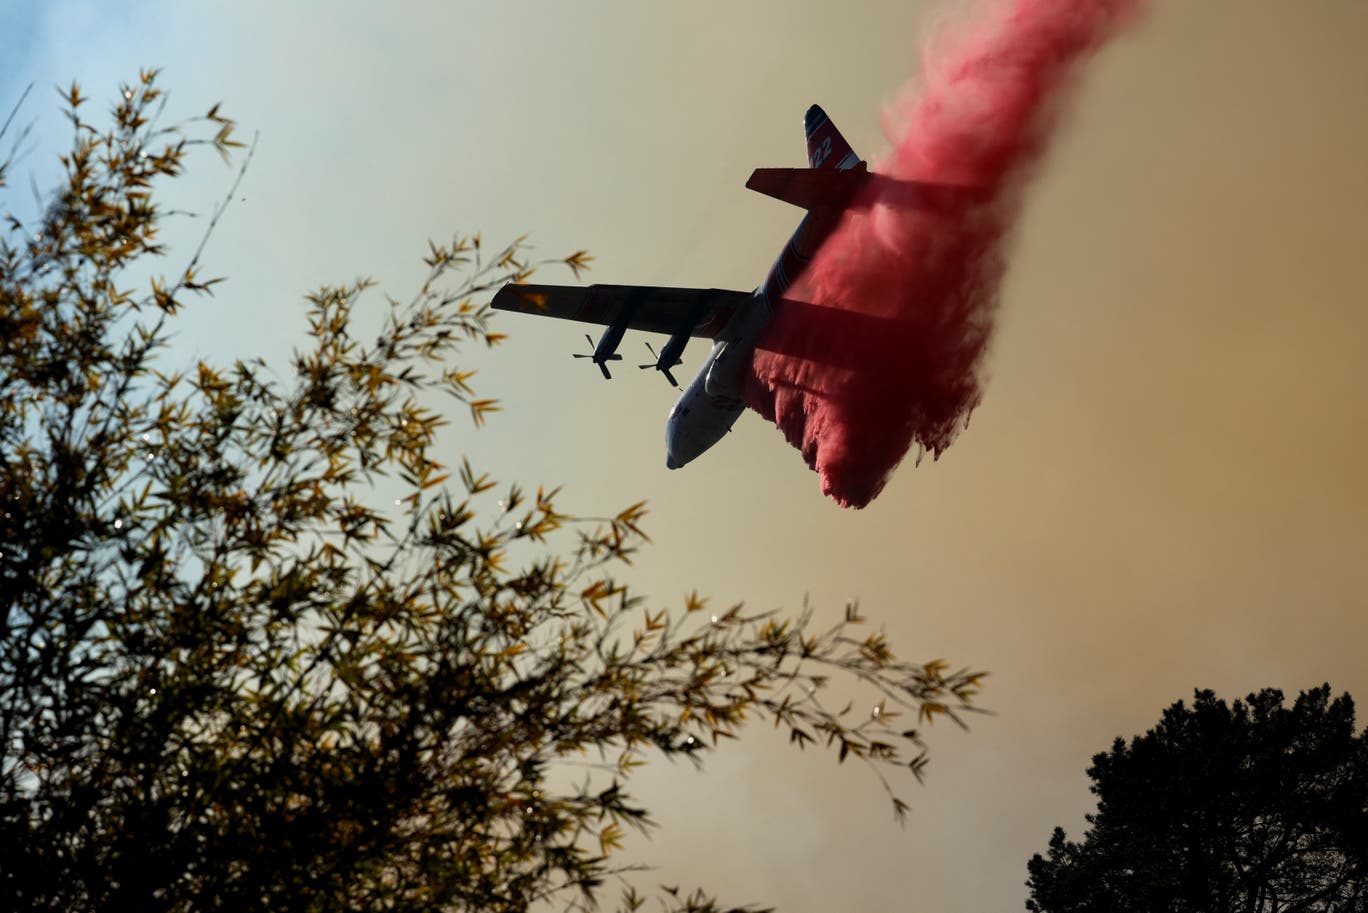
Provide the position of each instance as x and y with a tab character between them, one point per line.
827	148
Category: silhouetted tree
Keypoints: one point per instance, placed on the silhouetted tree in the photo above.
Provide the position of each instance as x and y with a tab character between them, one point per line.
1251	807
232	678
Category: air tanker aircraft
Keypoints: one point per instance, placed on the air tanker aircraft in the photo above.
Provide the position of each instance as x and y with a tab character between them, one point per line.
712	402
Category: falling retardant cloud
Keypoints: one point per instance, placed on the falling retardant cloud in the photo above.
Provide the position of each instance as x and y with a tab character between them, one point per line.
879	345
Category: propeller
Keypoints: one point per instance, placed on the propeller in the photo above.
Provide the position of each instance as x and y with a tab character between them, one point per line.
601	362
663	369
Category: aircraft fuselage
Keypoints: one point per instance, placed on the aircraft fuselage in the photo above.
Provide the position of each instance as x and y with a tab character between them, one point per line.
712	402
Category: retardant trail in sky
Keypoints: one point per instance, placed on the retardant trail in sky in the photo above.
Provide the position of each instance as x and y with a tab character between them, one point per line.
879	345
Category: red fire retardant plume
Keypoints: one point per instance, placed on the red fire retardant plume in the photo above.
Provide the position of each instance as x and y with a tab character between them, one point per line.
879	345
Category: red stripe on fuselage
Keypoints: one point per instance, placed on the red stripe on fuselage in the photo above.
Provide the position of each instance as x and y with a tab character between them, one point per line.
816	226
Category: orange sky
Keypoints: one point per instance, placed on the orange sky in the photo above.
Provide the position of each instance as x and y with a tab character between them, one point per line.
1163	488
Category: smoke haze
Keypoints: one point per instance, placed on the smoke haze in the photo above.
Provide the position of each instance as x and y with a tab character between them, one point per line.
880	344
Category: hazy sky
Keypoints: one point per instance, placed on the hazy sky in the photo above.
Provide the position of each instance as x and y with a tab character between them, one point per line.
1163	488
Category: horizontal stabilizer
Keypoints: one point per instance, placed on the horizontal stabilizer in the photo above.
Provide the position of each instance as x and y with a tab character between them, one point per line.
857	188
810	188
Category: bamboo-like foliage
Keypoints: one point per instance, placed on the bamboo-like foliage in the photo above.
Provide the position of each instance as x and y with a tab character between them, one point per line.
233	676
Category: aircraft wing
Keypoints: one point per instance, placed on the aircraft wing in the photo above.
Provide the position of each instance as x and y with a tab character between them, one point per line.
652	308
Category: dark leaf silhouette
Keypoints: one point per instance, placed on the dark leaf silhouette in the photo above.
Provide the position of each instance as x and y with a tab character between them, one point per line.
1251	806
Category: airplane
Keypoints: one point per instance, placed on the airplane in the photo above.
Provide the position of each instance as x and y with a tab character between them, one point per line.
712	402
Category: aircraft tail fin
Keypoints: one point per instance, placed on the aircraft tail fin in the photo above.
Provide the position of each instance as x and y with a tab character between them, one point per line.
833	176
827	148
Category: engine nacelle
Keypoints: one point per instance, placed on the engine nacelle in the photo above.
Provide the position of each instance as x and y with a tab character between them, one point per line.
671	354
608	343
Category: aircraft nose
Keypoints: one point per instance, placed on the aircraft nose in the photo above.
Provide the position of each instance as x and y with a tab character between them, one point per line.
670	461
